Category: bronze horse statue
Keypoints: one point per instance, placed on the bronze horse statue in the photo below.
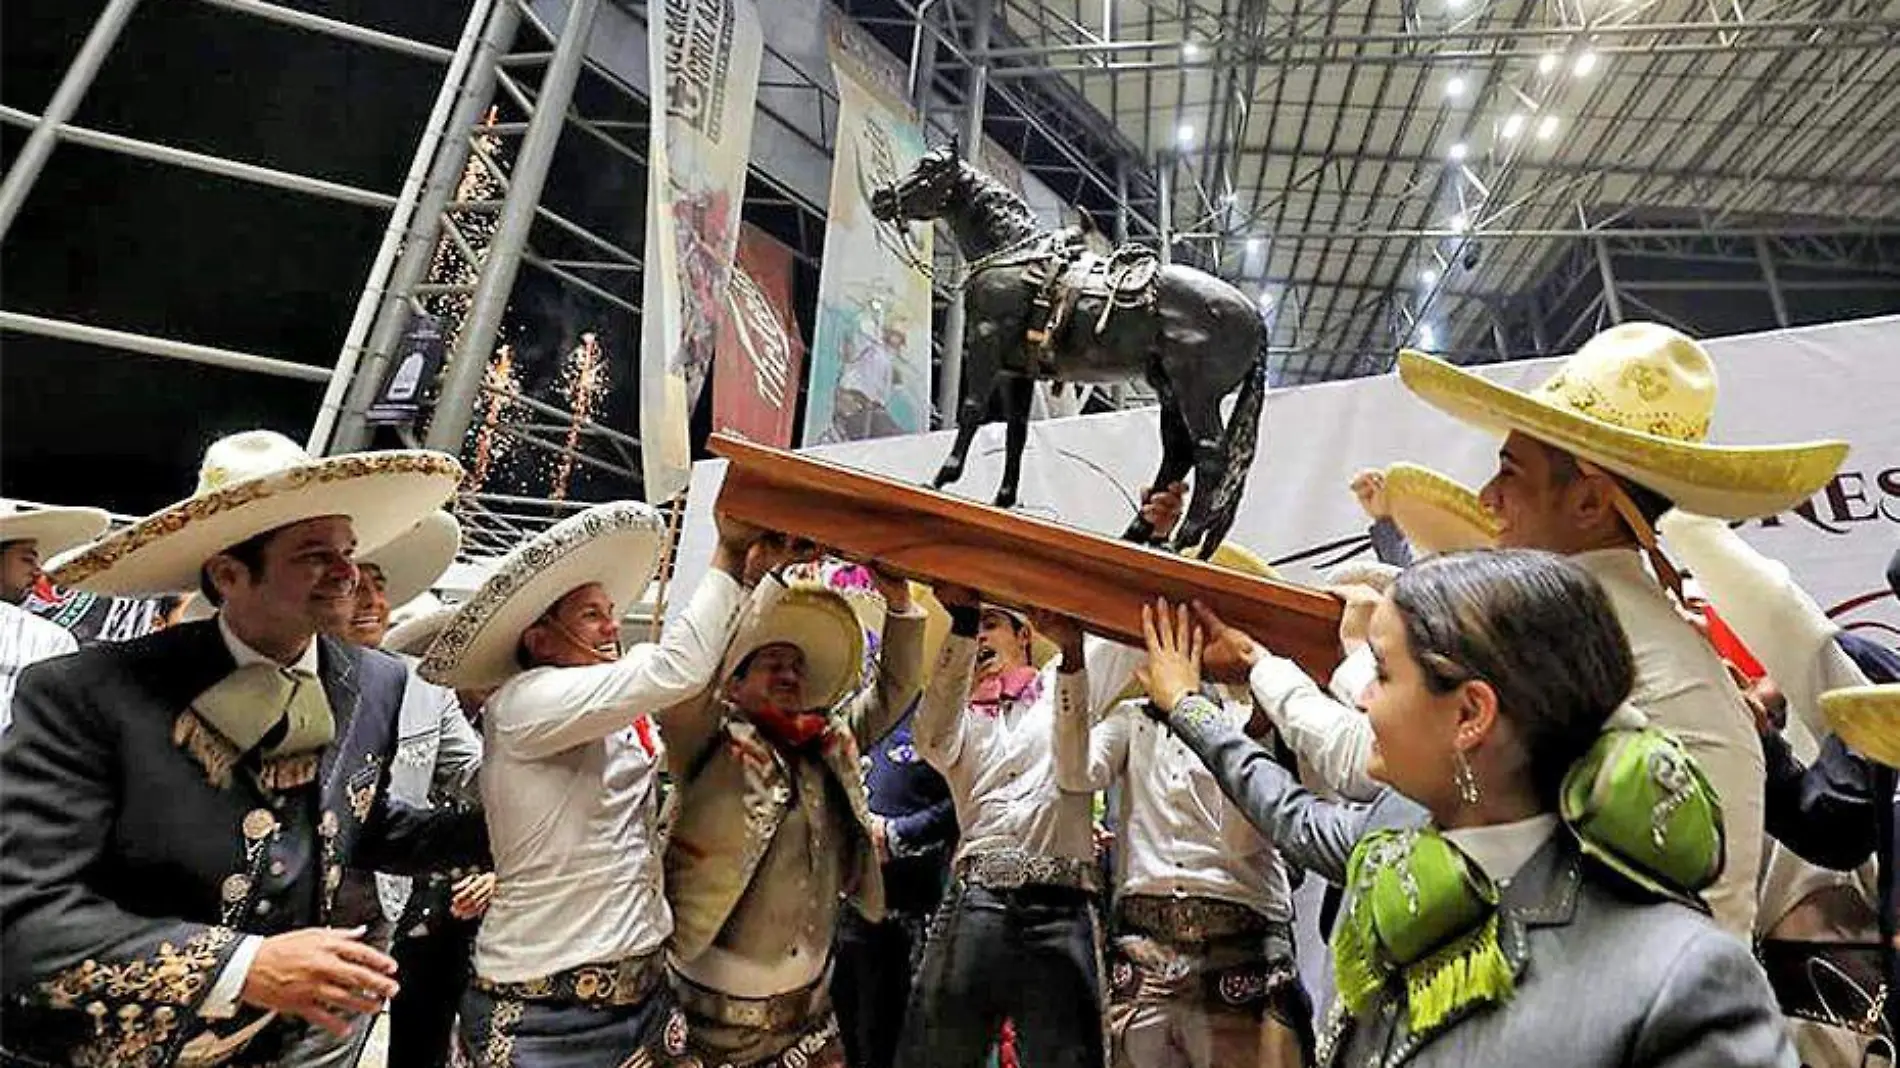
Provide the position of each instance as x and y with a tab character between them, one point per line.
1193	337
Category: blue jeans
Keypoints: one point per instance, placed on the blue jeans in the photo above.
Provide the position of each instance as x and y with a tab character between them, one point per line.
1032	956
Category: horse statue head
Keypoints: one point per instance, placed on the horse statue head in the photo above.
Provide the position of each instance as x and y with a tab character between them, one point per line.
925	192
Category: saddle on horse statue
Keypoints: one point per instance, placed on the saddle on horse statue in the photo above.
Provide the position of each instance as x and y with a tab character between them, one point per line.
1068	272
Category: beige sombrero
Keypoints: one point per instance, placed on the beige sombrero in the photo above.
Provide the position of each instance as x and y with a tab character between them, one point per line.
1868	719
412	563
251	483
53	530
1042	651
616	545
820	622
1437	513
414	635
1637	400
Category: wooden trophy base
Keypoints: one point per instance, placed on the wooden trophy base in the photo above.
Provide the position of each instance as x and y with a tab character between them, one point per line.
1014	559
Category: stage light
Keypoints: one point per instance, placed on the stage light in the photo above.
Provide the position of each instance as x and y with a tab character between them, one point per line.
1586	62
1266	299
1428	276
1457	153
1427	338
1455	87
1547	63
1255	245
1513	125
1458	223
1190	50
1546	127
1184	135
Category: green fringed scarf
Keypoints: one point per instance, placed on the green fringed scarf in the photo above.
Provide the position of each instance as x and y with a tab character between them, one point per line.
1418	908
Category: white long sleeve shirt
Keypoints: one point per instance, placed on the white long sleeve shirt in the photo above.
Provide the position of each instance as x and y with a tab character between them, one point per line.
572	800
1001	767
25	640
1178	834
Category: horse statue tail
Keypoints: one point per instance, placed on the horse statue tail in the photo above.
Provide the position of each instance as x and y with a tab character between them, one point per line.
1238	442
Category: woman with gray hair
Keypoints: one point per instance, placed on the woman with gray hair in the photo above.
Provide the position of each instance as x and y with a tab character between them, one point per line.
1523	890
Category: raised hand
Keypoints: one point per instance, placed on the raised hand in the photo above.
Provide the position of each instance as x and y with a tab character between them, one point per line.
1161	507
1173	670
1369	487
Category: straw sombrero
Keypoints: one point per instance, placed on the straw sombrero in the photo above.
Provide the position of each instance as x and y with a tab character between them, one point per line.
820	622
616	545
1637	399
412	563
252	483
1868	719
53	530
413	636
1437	513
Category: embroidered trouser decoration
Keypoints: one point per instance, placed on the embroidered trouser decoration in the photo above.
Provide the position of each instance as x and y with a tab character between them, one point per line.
709	1029
1173	1006
501	1030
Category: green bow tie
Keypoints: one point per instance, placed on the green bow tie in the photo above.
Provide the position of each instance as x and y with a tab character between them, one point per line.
249	705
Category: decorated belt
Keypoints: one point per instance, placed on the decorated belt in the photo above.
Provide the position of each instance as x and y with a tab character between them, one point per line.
1843	984
780	1012
1013	869
1190	919
627	981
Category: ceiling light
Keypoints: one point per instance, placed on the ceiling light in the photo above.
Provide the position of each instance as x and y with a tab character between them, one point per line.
1254	245
1458	223
1428	276
1546	126
1513	125
1184	135
1586	62
1229	197
1426	338
1457	152
1455	87
1266	299
1190	50
1547	63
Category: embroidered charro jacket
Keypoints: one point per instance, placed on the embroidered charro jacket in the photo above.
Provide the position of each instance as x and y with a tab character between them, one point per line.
1606	975
736	790
137	848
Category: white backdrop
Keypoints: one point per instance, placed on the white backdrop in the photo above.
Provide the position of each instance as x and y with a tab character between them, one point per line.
1835	381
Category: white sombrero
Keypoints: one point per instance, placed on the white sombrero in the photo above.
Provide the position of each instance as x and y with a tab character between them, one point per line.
252	483
1637	400
820	622
412	563
414	635
615	545
53	530
1437	513
1868	719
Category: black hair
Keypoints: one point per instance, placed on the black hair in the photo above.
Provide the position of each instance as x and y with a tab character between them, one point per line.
249	553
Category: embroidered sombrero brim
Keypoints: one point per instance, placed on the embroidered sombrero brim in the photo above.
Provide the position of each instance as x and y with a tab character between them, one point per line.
413	636
412	563
820	622
615	545
383	494
1725	481
1867	718
54	530
1435	512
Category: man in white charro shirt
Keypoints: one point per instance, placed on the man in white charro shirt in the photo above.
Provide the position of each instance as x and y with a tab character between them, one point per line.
1202	970
567	964
26	539
1017	937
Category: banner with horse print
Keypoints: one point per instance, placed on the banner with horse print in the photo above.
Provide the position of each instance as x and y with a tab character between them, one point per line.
870	354
704	56
760	357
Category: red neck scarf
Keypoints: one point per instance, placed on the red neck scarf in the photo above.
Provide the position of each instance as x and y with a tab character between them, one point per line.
1016	684
794	730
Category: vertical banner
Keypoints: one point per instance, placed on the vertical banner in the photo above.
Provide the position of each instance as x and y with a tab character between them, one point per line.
704	56
759	358
870	354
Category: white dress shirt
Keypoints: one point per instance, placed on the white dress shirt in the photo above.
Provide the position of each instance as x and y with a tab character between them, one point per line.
572	798
222	1002
437	751
1178	835
25	640
1501	849
1001	767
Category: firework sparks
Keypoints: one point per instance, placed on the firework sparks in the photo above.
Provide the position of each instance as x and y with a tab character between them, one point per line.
584	383
499	387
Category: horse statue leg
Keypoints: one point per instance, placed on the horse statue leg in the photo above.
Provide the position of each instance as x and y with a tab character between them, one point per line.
1018	393
979	382
1177	456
